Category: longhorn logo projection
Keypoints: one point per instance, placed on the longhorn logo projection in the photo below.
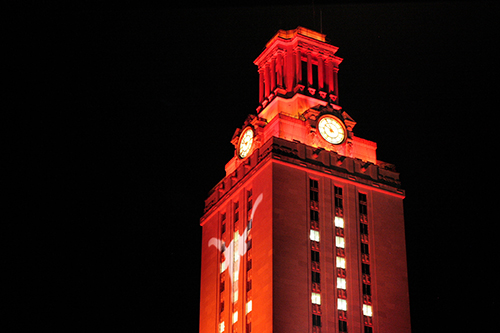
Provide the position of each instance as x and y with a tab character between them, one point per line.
236	248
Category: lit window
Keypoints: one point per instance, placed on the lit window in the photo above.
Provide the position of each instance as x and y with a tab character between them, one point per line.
339	221
340	262
316	298
221	327
340	241
367	310
341	284
249	306
235	317
235	296
314	235
342	304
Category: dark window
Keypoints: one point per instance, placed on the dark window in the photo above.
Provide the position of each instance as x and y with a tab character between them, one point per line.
338	191
249	264
314	215
365	268
339	203
315	75
364	248
249	285
314	256
316	320
303	79
363	228
342	326
316	277
367	289
368	329
313	183
314	195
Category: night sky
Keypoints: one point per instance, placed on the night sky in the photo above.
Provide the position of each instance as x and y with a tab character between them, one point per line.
139	106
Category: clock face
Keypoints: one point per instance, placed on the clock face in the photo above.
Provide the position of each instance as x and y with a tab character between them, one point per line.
246	140
332	129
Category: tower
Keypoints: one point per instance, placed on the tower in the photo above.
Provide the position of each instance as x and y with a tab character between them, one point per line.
305	233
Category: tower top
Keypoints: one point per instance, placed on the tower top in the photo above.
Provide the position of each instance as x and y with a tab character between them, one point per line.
297	66
289	34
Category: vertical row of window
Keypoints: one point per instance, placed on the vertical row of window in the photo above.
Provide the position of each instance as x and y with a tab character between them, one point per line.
340	260
225	266
365	264
222	282
248	308
236	264
315	255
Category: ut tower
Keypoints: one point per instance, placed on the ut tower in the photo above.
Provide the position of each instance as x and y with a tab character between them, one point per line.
306	231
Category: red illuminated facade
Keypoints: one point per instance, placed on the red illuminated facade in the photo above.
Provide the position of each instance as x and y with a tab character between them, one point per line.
306	231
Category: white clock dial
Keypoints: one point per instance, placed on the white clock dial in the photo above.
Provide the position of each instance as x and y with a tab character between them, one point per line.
332	129
246	140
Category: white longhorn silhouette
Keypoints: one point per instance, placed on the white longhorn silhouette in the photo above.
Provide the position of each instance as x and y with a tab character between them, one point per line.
229	250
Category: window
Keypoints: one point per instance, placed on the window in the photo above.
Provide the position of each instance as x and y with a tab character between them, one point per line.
362	204
367	289
340	242
341	283
313	183
222	286
342	326
363	228
364	248
316	320
223	222
338	197
316	298
342	304
221	327
367	310
314	215
314	256
314	235
365	269
340	262
235	317
313	195
249	306
338	191
339	222
315	277
368	329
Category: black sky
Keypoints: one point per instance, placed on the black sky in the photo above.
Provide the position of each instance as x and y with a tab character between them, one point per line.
142	103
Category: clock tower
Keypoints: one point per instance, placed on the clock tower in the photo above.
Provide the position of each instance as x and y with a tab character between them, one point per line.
306	231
